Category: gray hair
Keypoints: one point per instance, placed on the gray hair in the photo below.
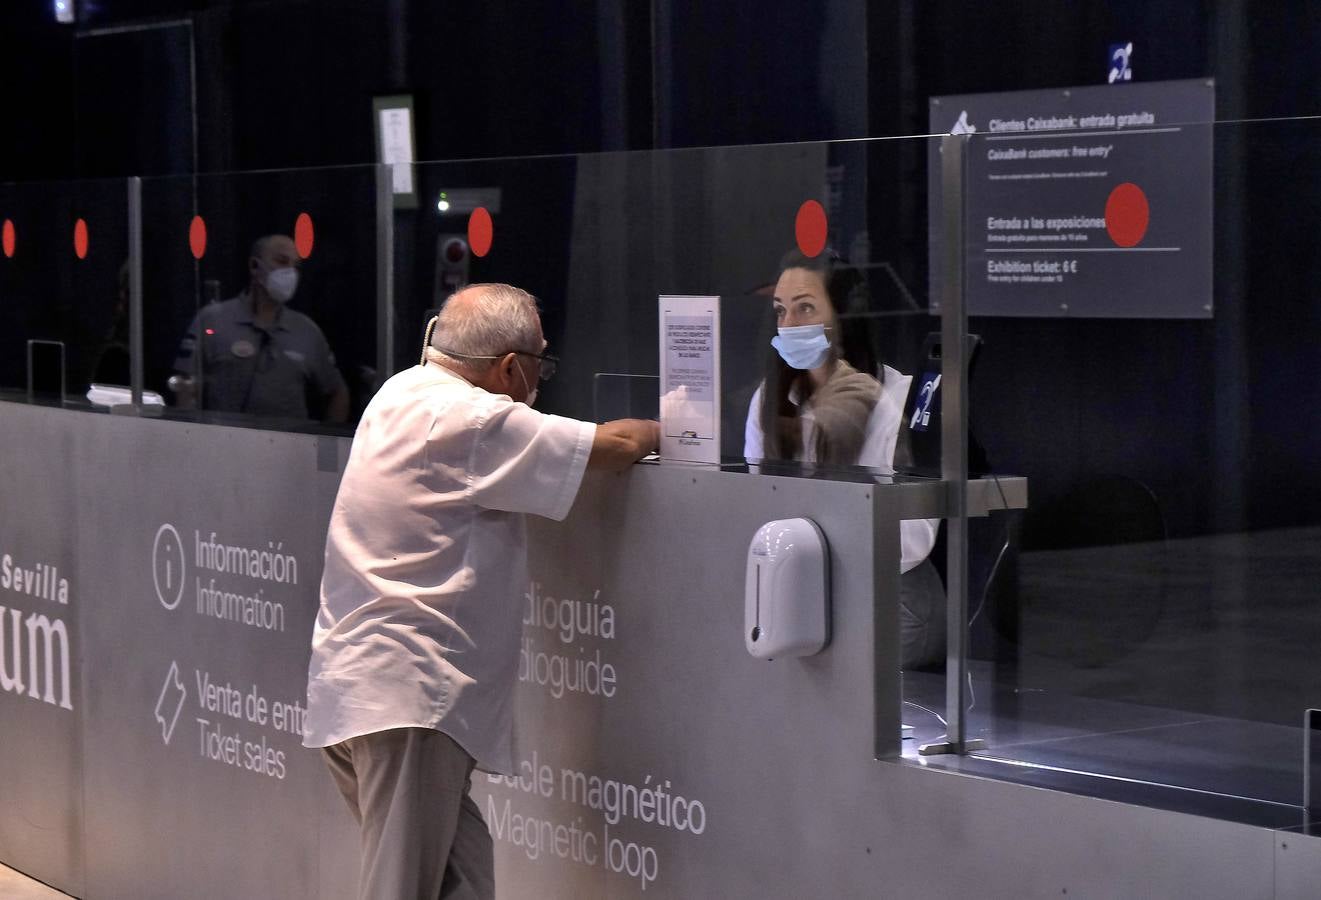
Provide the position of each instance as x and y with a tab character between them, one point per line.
490	320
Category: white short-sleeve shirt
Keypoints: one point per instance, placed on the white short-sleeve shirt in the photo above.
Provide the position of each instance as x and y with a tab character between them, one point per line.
426	562
916	536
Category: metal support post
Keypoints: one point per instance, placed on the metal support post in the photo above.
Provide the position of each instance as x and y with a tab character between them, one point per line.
954	447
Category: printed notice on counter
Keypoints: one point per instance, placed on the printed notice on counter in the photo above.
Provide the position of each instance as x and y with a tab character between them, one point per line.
237	724
551	812
1086	202
566	647
690	378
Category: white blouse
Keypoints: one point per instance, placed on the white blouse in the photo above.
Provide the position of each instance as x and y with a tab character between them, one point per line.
916	536
426	562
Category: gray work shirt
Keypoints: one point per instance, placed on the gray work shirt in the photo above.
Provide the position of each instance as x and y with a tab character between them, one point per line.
264	370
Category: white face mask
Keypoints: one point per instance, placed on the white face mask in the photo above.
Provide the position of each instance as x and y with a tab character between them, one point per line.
281	283
531	392
802	346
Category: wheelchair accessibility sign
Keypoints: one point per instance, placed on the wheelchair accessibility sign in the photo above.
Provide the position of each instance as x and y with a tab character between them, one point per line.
923	406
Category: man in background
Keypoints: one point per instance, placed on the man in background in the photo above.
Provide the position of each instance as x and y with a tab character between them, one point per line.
257	355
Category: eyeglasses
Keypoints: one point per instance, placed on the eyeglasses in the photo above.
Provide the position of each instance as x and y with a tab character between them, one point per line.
547	364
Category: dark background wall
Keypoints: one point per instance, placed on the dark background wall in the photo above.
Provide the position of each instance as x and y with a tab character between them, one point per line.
288	83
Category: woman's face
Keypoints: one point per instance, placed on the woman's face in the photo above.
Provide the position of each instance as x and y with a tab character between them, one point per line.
801	299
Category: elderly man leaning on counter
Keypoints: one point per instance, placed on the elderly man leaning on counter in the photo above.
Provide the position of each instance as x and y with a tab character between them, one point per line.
415	648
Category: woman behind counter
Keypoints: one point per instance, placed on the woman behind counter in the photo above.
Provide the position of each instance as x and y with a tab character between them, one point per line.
828	398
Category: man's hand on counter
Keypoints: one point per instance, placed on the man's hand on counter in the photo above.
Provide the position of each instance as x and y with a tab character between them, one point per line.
621	443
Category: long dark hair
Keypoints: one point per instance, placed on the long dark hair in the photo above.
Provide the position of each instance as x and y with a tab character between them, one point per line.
854	340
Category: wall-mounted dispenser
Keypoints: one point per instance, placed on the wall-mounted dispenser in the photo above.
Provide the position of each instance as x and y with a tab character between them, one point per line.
786	602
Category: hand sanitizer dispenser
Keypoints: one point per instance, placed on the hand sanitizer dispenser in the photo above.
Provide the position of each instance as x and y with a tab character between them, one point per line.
786	609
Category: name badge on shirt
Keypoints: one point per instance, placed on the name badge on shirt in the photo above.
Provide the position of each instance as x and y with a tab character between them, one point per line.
242	349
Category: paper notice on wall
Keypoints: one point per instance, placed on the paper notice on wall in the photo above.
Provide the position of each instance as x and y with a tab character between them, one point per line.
397	147
690	378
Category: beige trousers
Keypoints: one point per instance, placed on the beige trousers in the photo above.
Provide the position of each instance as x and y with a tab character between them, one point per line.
423	838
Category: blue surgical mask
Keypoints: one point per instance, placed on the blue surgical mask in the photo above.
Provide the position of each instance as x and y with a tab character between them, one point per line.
802	346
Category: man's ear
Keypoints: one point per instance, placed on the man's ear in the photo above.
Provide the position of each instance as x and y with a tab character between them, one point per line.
505	365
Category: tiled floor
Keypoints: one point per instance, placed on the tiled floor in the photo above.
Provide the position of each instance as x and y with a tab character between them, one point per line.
17	886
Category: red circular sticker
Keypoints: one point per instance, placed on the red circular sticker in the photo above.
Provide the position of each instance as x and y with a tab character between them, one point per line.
1127	214
197	237
80	238
810	229
480	231
9	238
304	236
